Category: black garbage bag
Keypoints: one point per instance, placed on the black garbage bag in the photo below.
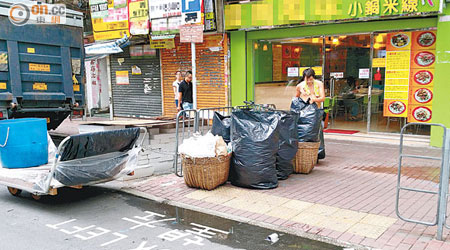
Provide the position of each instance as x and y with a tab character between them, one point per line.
309	120
255	138
95	157
322	145
221	126
288	144
298	105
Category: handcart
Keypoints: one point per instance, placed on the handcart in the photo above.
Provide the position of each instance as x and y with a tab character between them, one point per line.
80	160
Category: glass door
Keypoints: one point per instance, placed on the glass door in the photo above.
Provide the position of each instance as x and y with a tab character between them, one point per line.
346	79
279	64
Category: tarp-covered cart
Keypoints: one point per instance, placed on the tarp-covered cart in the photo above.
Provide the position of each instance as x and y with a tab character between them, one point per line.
79	160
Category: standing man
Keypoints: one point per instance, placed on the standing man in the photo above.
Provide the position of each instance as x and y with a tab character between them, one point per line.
185	99
176	85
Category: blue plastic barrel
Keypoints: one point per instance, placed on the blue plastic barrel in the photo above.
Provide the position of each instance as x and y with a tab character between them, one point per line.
23	143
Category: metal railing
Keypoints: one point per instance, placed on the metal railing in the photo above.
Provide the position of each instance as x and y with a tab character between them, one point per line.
199	121
186	126
442	193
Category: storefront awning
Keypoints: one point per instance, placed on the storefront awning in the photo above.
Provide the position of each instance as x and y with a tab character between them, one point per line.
101	50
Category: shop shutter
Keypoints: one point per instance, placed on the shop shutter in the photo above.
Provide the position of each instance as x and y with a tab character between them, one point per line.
131	100
212	88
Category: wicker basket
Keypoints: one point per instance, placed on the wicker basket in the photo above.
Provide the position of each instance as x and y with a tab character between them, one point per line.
306	157
205	173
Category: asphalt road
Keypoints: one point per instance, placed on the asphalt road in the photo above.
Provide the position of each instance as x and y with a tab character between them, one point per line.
99	218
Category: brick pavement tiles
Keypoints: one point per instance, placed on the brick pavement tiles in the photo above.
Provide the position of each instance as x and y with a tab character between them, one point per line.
348	199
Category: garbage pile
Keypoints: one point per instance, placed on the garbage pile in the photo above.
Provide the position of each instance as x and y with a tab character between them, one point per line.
265	143
199	146
205	160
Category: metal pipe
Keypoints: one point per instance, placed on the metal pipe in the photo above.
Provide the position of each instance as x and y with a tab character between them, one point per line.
194	75
108	73
443	187
369	94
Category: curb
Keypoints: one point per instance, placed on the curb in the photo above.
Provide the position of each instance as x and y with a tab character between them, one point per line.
244	220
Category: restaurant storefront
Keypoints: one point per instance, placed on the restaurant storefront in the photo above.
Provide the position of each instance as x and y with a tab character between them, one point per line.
383	63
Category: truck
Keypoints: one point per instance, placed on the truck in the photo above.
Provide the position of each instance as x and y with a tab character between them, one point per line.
41	67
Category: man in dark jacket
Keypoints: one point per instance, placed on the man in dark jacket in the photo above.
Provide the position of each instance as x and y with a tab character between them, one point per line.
185	98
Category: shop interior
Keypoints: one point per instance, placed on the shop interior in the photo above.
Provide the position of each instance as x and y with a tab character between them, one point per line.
343	64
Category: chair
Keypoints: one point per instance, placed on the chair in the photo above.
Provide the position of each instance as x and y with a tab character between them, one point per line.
400	120
374	107
329	106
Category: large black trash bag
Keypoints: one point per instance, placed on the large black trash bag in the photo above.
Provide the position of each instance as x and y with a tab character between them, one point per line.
309	120
288	144
322	145
221	126
255	138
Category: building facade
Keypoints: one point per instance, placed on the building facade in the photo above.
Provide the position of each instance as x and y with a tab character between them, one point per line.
383	62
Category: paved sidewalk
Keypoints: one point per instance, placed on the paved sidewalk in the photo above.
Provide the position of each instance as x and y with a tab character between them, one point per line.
348	198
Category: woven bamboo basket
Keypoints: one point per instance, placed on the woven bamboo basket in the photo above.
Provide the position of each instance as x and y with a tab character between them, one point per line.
306	157
205	173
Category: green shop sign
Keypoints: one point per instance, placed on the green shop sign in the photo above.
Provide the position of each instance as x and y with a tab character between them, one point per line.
286	12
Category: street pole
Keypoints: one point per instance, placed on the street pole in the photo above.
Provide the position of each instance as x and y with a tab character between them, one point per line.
194	74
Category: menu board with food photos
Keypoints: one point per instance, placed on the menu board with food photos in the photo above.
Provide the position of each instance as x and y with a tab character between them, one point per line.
410	63
423	60
398	64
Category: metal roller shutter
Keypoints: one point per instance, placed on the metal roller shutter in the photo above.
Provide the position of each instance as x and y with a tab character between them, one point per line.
212	88
131	100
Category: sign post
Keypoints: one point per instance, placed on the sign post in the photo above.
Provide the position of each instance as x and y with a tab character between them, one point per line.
194	74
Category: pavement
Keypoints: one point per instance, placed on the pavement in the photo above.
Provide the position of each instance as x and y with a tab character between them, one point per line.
103	218
347	200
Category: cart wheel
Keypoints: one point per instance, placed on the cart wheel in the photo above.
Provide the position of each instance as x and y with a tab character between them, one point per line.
14	191
36	197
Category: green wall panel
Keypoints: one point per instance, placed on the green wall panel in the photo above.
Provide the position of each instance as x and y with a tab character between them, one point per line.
441	104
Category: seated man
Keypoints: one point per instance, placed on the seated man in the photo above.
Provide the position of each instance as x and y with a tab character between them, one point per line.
350	101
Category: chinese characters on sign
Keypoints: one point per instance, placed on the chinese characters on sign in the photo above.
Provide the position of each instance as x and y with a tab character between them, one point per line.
138	17
398	54
410	64
383	7
191	33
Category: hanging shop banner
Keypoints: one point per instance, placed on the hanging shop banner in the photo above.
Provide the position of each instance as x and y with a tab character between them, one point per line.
191	33
173	25
122	78
162	44
159	26
99	8
138	17
142	51
165	17
117	15
210	19
119	4
248	15
114	26
398	64
164	8
423	59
